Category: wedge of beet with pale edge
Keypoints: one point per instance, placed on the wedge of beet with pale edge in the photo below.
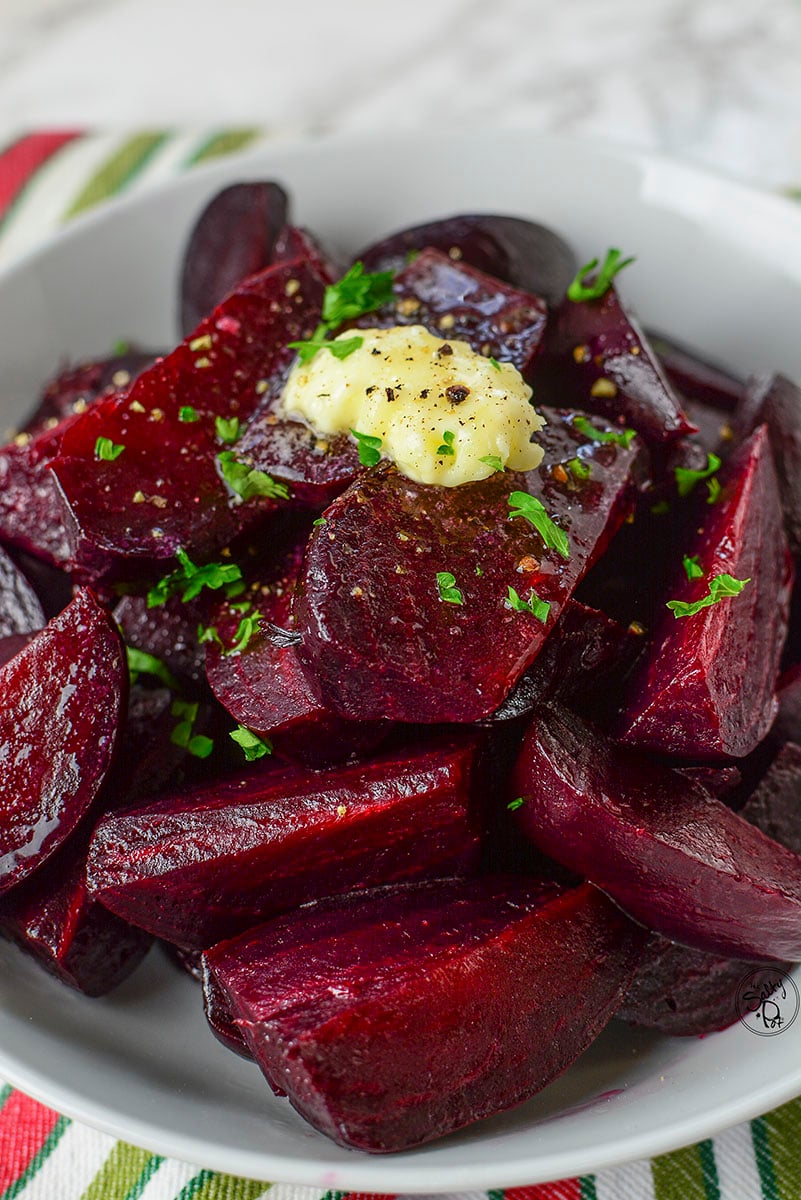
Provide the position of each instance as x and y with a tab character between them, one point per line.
663	848
399	1016
61	704
775	401
377	638
705	687
202	865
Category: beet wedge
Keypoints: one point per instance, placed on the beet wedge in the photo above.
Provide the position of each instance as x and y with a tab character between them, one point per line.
199	866
705	688
20	610
681	991
696	379
396	1017
660	845
775	401
377	638
134	507
595	356
519	252
62	704
32	513
76	387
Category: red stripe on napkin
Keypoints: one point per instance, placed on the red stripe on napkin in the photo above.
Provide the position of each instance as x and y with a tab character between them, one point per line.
25	1126
564	1189
23	159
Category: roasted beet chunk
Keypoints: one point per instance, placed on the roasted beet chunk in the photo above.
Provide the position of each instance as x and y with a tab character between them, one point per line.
76	387
595	356
141	473
20	610
32	513
233	238
705	688
203	865
776	402
527	255
664	849
380	637
62	699
396	1017
695	378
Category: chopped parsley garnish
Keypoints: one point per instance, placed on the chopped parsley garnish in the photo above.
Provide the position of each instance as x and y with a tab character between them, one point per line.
252	745
339	349
448	591
245	631
554	538
692	567
612	265
579	469
719	587
190	580
714	489
356	293
623	437
534	605
195	743
493	460
495	363
106	450
187	415
661	508
447	443
208	633
142	663
319	521
518	802
247	481
119	348
479	571
369	448
227	429
686	478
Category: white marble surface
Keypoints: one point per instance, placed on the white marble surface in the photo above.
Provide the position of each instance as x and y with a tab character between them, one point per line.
715	81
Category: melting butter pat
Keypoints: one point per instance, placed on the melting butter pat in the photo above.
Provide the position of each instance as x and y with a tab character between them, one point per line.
422	396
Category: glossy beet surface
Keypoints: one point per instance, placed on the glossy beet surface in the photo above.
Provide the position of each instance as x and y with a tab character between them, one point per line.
32	513
233	237
76	387
163	491
775	401
595	356
522	253
202	865
168	631
377	639
398	1017
705	688
62	699
20	610
664	849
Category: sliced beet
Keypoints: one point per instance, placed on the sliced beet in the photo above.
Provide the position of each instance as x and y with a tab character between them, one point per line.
293	242
169	631
233	237
775	401
163	491
519	252
220	1016
663	848
20	610
595	356
62	702
705	687
263	686
396	1017
76	387
32	513
202	865
11	644
377	639
53	587
787	726
695	378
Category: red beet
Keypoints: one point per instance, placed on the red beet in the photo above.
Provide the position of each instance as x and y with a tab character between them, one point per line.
11	645
775	401
705	687
32	515
522	253
293	242
663	848
20	610
787	726
76	387
169	631
377	639
221	1019
397	1017
233	237
62	700
595	356
202	865
163	491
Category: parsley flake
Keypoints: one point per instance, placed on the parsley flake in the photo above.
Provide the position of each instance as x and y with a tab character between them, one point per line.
356	293
252	745
190	580
534	605
195	744
623	438
447	444
714	489
245	631
340	349
612	265
494	461
120	348
187	415
495	363
719	587
208	633
686	478
369	448
227	429
579	469
319	521
247	481
448	591
106	450
518	802
554	538
692	567
142	663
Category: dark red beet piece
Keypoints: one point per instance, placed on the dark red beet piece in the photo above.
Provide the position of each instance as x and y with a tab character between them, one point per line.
32	513
264	687
221	1019
595	356
169	631
233	237
519	252
293	242
681	991
76	387
695	378
787	726
377	639
663	848
163	491
62	699
705	687
199	866
11	645
775	401
52	586
394	1018
20	610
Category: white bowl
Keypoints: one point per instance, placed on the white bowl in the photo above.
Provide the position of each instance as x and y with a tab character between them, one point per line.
719	267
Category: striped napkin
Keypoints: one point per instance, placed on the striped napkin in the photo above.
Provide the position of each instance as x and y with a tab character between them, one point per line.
45	179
